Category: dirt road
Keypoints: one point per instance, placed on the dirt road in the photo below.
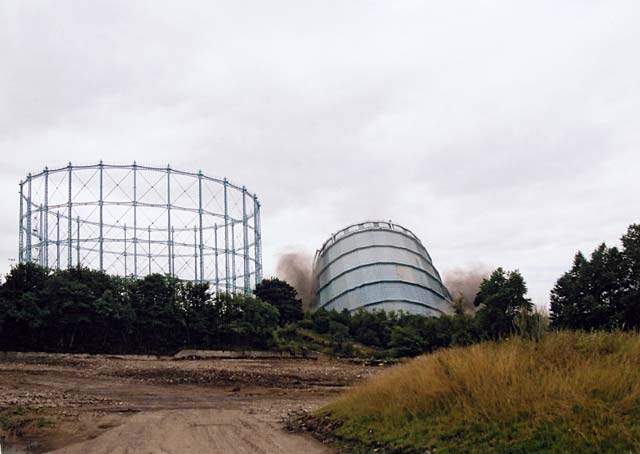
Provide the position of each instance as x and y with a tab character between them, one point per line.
197	432
101	405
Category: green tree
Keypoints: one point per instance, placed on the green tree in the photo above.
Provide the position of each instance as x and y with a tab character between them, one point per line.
82	303
282	296
160	317
630	304
435	332
501	299
113	318
601	292
254	321
24	311
631	248
320	320
201	317
370	328
405	341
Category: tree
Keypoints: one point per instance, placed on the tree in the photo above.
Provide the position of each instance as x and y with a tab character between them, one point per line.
405	341
501	299
254	323
282	296
370	328
631	301
160	313
602	292
589	294
631	249
199	308
23	307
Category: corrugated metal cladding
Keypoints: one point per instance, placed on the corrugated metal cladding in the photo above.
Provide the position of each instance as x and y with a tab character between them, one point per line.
379	265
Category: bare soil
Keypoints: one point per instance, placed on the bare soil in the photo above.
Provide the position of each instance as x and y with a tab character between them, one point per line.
105	405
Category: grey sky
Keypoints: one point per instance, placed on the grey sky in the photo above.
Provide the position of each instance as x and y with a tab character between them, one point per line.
505	133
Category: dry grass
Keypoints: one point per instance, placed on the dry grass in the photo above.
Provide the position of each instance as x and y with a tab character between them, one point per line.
569	392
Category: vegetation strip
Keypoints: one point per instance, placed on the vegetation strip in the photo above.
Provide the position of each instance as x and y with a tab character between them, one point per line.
568	392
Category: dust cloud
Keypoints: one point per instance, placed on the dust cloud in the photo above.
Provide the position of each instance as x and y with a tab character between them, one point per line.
296	268
464	284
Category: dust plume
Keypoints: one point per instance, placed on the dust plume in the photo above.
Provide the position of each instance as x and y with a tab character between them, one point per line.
464	284
296	268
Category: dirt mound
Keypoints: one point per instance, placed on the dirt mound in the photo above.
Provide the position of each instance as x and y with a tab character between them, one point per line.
224	377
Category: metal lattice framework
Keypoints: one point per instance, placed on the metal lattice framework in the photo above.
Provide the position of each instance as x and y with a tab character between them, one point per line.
134	220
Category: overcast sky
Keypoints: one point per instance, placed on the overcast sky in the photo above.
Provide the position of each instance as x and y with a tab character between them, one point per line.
502	133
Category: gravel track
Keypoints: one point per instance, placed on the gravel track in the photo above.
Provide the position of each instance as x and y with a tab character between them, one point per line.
102	405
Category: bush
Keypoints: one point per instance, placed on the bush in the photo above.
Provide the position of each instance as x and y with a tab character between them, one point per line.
404	341
83	310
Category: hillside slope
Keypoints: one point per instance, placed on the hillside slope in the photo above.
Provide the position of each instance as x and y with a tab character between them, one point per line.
570	392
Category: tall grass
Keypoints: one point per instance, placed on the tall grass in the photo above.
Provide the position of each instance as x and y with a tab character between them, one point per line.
567	392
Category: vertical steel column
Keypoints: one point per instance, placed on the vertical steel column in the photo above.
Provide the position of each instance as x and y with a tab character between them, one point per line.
173	254
58	240
40	250
135	220
195	255
78	242
21	226
169	219
125	250
45	226
101	204
233	256
258	239
215	249
200	213
29	218
149	247
226	237
70	223
245	243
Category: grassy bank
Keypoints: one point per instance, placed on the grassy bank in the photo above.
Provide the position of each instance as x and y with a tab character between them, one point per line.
570	392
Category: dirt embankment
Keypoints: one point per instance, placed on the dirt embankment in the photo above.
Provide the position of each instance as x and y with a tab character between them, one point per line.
102	405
